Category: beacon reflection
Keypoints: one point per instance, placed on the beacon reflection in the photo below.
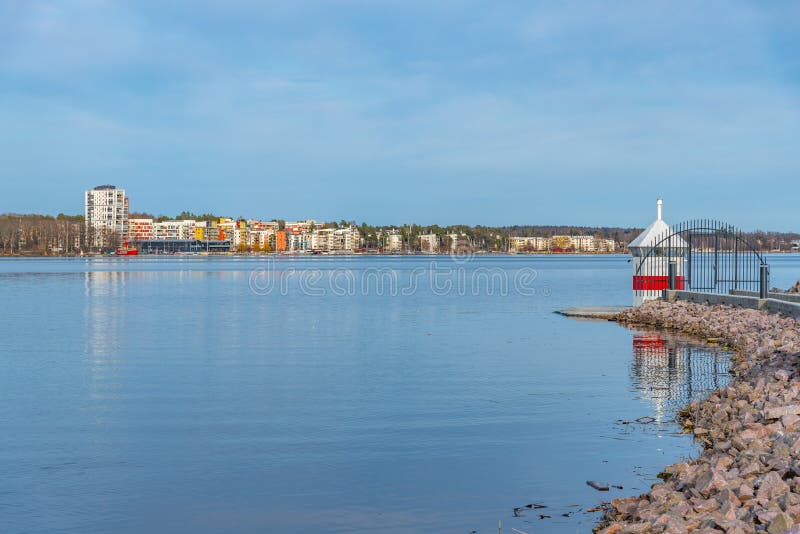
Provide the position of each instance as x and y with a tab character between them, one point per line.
670	372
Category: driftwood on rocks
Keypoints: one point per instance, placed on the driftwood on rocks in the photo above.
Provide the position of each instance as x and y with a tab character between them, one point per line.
747	478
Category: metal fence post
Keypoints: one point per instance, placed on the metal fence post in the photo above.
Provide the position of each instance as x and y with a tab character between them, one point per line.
764	281
672	274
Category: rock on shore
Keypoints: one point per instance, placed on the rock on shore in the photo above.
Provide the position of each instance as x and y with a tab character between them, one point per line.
747	479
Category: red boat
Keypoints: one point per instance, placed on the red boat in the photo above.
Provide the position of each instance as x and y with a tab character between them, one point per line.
127	251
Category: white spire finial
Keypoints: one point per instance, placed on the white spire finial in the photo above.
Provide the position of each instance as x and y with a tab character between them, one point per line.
659	204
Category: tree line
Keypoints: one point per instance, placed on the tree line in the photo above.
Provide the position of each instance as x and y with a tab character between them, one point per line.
42	234
67	234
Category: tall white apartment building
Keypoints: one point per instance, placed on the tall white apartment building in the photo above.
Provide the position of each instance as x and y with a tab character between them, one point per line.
106	213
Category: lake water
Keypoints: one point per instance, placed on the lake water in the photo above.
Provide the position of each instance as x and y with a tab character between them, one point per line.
330	394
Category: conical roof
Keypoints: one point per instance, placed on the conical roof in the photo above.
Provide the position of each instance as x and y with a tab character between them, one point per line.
651	235
655	233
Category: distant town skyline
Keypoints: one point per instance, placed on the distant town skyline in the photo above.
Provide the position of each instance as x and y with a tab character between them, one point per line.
434	113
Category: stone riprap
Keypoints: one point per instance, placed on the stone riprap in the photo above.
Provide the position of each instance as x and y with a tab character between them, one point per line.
747	478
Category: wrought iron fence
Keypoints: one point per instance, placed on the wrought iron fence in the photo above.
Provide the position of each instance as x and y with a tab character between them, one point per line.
700	255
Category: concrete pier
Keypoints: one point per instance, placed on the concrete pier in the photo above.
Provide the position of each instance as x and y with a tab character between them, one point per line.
599	312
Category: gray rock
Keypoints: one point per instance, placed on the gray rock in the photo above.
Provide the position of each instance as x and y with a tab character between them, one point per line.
750	430
710	482
780	524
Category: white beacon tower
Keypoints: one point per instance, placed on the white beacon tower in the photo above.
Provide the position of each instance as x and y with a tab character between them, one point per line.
652	251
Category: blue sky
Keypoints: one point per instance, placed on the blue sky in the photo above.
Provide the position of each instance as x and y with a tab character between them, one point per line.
403	110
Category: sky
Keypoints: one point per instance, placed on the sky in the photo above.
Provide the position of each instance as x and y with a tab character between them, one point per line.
393	111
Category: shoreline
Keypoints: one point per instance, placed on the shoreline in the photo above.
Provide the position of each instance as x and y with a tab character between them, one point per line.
747	477
305	255
328	255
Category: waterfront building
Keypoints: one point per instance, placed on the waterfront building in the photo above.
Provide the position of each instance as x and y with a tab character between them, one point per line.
106	215
280	241
560	243
394	240
583	243
300	226
345	239
261	235
183	229
201	230
239	236
320	239
452	242
225	229
258	226
348	238
429	243
606	245
140	229
528	244
170	246
460	243
261	240
299	242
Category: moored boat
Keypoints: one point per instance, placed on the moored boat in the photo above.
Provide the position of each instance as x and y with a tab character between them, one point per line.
127	250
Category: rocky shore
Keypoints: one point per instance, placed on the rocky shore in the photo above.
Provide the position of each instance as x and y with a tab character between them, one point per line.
747	478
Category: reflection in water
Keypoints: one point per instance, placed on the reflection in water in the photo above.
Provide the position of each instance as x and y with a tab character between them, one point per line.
671	372
166	395
104	317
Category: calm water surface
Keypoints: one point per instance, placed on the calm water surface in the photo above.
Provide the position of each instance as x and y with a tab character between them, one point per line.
329	394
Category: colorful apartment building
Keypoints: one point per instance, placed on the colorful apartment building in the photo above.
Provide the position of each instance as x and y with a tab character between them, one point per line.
280	241
140	229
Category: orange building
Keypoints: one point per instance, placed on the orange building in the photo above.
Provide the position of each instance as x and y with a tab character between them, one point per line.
280	240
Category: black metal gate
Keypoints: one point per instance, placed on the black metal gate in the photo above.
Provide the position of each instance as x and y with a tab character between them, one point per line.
700	255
